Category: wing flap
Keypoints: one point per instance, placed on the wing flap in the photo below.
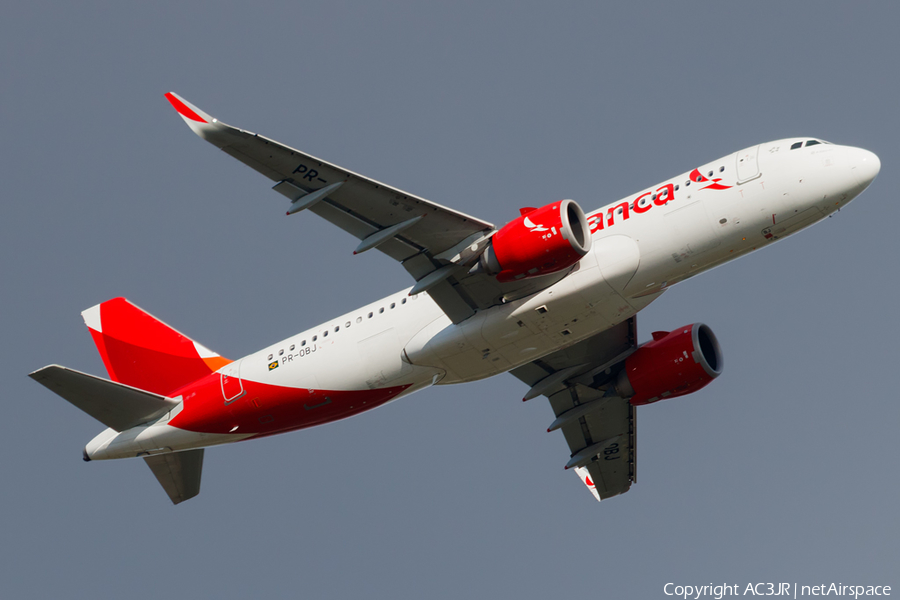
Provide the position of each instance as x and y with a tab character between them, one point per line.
116	405
178	473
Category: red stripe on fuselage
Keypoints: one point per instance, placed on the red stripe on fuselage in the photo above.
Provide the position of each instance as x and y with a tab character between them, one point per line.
269	409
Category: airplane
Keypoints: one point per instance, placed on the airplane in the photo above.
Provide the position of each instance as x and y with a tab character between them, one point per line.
551	297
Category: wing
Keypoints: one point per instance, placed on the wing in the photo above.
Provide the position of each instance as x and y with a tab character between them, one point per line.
598	425
435	244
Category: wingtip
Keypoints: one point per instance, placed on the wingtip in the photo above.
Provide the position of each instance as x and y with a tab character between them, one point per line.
187	110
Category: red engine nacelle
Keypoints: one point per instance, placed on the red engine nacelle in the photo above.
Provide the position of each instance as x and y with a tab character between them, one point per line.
674	364
541	241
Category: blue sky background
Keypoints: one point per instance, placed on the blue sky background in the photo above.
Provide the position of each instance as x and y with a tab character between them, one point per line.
784	469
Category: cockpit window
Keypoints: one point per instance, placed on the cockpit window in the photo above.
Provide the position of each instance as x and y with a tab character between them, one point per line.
796	145
812	143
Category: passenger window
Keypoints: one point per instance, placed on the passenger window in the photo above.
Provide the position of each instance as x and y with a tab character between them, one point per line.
303	343
315	337
721	169
359	319
292	347
370	315
811	143
380	310
403	301
796	145
280	352
325	333
393	305
271	356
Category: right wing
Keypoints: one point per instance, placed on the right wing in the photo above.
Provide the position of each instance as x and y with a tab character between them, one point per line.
598	425
435	244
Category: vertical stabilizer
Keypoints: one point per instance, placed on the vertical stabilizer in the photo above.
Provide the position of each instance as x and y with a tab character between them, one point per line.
141	351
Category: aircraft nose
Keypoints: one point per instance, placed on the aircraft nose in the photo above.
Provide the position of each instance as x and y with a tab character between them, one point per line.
865	166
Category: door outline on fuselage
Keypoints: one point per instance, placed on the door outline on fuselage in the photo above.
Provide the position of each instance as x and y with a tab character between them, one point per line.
747	165
227	378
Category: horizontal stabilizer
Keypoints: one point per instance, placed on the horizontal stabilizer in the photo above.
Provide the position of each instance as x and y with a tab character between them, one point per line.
178	473
114	404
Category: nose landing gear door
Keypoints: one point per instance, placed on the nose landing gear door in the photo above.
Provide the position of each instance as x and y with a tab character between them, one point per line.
232	387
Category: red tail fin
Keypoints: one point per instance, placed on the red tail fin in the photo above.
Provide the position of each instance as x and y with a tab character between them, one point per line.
141	351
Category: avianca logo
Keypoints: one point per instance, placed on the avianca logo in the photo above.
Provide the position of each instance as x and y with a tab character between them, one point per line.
714	183
662	196
528	223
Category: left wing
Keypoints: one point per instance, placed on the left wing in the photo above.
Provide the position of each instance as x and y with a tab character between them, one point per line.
435	244
598	425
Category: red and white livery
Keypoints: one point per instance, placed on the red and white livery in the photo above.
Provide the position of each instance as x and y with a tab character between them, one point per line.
550	297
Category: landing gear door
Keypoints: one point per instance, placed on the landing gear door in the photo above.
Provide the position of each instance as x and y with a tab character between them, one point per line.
232	387
747	165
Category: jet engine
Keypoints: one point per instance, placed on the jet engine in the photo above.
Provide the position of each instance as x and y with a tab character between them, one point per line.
673	364
541	241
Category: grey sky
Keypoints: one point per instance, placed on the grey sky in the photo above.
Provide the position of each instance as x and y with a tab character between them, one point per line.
783	469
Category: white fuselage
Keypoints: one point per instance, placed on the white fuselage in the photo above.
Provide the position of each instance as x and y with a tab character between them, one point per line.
641	245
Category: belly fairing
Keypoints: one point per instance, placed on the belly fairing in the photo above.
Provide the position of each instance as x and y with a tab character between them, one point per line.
510	335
